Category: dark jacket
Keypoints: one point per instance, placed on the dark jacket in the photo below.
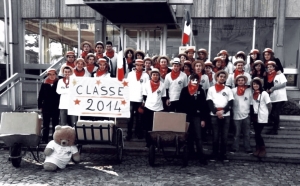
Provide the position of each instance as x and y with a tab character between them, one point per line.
193	105
48	99
279	65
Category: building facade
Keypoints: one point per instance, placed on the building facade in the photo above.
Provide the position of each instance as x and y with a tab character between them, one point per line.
43	30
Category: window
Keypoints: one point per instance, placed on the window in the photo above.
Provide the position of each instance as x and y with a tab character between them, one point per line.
32	37
264	34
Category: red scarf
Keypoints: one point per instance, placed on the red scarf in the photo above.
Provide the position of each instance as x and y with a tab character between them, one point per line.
110	54
98	56
241	90
79	73
65	82
210	76
200	75
236	73
271	76
256	94
100	73
138	75
70	64
216	69
129	60
187	72
174	75
154	86
83	54
90	67
219	87
163	72
49	81
192	89
223	64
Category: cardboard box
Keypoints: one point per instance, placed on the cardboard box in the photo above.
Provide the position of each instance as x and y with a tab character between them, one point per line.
96	131
169	121
20	123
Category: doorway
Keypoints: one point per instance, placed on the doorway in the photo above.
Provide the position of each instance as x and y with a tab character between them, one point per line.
149	38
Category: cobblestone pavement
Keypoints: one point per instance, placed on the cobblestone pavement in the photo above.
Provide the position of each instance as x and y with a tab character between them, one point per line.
96	169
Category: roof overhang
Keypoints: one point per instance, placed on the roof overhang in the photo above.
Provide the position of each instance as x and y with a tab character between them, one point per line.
134	11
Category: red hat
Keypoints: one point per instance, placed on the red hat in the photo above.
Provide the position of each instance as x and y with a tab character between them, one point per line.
254	51
203	51
190	49
89	55
208	63
51	70
70	53
223	52
187	62
271	63
139	61
268	50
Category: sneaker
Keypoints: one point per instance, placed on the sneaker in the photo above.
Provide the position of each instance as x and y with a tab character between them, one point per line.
213	158
232	151
224	158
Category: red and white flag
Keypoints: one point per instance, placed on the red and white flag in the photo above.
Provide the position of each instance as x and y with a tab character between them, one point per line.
120	69
187	29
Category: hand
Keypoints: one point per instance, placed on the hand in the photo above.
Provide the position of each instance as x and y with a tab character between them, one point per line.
220	114
202	124
168	102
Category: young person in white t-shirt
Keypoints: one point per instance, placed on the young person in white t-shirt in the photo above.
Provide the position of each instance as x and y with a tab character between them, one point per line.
175	81
239	70
241	110
154	94
275	86
259	114
136	79
220	100
63	89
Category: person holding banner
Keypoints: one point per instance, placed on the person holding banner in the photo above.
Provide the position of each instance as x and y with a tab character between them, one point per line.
79	69
154	94
63	90
136	79
103	69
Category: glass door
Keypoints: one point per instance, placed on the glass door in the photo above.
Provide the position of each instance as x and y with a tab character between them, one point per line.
149	39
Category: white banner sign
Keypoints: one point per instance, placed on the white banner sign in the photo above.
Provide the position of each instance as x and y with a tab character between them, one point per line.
99	97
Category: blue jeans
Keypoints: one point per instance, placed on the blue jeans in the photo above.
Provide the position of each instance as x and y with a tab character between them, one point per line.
244	126
220	127
66	119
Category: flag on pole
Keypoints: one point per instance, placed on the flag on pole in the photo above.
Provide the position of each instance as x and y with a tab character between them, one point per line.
187	29
120	69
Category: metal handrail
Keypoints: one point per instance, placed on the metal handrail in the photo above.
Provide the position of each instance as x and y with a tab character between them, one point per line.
55	65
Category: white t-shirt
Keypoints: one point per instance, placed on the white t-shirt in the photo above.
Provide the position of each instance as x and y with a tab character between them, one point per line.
241	104
175	86
106	75
280	94
153	101
86	72
61	155
220	99
230	80
135	86
263	112
63	90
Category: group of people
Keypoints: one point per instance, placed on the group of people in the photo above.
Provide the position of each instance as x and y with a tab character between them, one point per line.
240	91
